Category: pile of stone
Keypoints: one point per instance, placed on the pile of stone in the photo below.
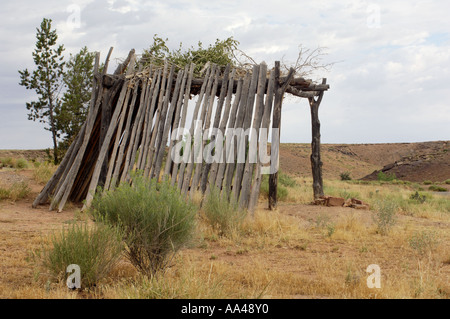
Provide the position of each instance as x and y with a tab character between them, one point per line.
331	201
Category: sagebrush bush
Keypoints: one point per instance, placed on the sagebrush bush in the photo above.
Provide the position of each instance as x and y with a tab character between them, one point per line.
282	191
423	242
345	176
155	219
94	249
43	172
386	177
16	191
223	215
385	216
435	188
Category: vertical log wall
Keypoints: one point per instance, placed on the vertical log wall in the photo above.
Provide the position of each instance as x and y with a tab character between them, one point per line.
132	125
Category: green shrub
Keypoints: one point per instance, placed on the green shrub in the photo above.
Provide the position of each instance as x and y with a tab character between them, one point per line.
386	177
423	242
95	250
223	215
156	221
43	172
21	163
447	182
385	216
286	180
427	182
345	176
7	162
19	190
418	197
282	191
4	193
16	191
435	188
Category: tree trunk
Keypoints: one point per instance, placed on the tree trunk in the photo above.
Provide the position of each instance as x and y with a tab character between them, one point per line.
53	130
316	162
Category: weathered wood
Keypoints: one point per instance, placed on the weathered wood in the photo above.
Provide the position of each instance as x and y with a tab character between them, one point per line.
66	162
231	163
64	189
163	129
150	116
147	105
253	140
183	122
122	66
316	162
221	127
206	167
233	113
205	120
257	179
135	133
122	102
242	142
300	84
176	118
118	167
280	88
186	168
104	148
161	97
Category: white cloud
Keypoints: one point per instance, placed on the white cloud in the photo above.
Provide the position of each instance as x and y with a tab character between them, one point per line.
387	80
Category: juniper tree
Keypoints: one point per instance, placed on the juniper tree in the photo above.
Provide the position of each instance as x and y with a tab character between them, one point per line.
78	85
45	80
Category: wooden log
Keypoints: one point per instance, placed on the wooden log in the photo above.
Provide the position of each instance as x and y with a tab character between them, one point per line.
185	106
163	128
276	125
147	117
253	140
125	135
135	132
206	112
299	84
242	142
221	127
149	164
151	113
103	150
316	162
209	161
231	121
231	163
66	162
122	102
176	121
169	121
186	168
64	189
122	66
257	179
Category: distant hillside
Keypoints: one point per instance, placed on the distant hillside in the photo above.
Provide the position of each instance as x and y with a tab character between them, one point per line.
409	161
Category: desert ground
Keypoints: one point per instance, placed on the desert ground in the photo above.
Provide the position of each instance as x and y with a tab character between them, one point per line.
298	251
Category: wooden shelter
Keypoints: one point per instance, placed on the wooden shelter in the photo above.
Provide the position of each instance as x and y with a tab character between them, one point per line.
132	120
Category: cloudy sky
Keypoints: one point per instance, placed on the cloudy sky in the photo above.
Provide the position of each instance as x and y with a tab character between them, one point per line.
390	82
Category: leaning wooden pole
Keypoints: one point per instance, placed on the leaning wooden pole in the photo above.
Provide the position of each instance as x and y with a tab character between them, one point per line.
280	89
316	162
